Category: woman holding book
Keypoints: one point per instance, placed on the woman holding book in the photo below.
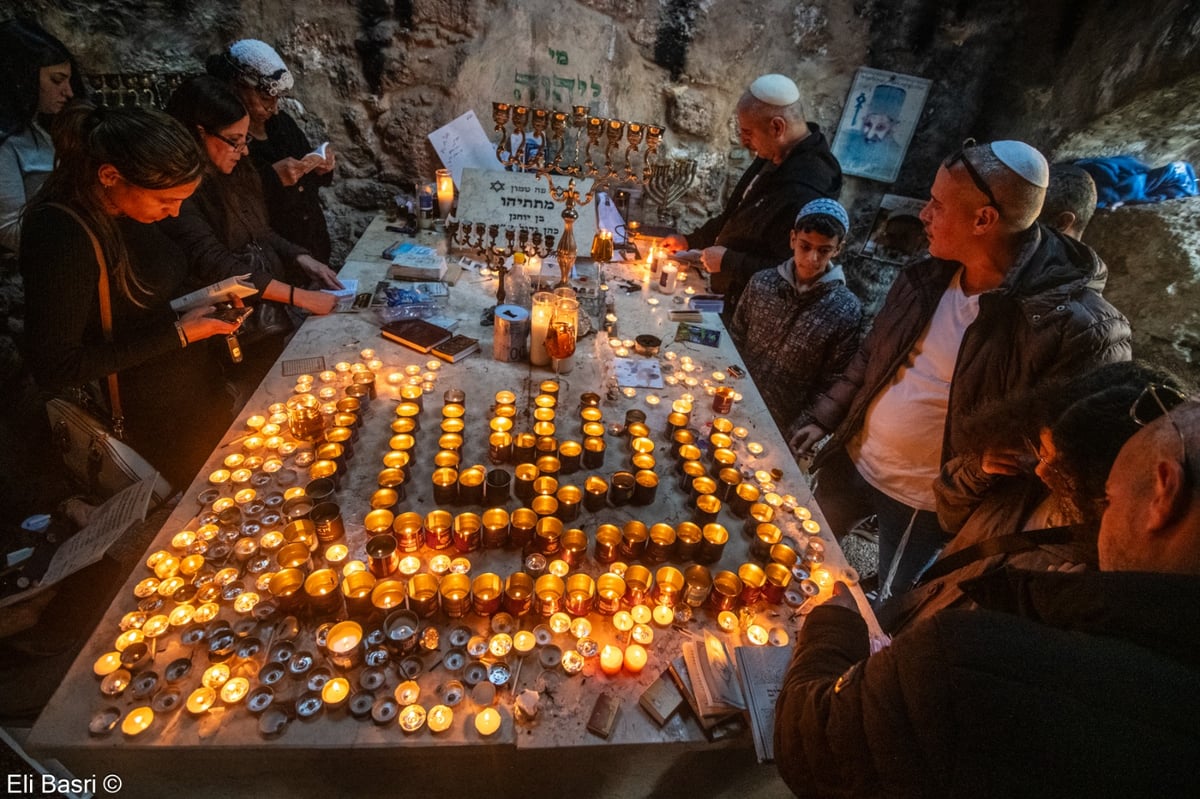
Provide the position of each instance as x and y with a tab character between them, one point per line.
225	231
292	171
120	170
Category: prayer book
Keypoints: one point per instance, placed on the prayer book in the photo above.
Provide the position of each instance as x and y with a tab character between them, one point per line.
456	348
416	334
221	291
761	670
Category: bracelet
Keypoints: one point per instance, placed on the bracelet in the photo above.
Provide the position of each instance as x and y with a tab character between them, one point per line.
183	339
291	295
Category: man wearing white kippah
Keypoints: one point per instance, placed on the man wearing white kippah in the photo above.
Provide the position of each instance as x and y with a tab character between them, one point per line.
792	167
1001	304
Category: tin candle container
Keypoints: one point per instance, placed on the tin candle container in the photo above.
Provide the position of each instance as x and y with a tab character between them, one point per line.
778	577
524	476
322	589
766	536
522	526
726	590
548	533
487	592
470	485
784	555
549	592
496	487
296	555
518	594
345	646
287	588
327	517
595	493
407	529
744	495
495	528
544	505
707	508
455	591
610	590
468	532
524	446
593	452
580	593
712	543
759	513
569	498
392	477
387	595
356	592
385	499
633	540
608	543
697	585
382	557
621	487
400	632
753	577
668	586
638	581
445	486
500	447
687	541
661	543
423	595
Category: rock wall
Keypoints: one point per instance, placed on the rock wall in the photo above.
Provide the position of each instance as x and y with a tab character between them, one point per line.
1074	77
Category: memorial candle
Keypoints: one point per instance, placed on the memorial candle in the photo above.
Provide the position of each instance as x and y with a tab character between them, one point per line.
635	658
611	659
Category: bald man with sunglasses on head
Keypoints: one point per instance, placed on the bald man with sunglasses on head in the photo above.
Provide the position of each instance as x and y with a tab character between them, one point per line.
1001	303
1059	684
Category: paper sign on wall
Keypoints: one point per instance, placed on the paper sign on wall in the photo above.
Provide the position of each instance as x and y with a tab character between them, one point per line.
461	144
522	200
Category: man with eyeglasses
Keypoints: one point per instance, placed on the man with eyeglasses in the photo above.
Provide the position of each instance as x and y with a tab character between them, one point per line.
1000	304
1061	684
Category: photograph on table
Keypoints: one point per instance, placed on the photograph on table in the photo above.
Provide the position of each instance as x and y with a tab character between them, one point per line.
897	234
881	113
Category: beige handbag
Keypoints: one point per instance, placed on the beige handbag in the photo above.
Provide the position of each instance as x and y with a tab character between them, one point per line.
92	450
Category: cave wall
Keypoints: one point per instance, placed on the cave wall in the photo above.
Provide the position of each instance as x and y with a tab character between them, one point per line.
1073	77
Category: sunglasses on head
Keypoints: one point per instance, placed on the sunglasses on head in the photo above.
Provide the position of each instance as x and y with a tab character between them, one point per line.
960	157
1158	400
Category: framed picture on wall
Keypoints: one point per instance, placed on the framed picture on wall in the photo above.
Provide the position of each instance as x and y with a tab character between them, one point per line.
897	235
877	123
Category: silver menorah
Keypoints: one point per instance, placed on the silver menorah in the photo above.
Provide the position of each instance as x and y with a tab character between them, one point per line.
669	181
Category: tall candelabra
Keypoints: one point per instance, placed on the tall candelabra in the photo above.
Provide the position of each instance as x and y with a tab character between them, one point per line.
567	251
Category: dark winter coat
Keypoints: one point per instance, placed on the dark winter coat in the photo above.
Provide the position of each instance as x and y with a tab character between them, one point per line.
1060	685
1046	319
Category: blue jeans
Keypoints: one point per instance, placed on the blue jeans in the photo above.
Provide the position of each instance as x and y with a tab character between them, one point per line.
846	498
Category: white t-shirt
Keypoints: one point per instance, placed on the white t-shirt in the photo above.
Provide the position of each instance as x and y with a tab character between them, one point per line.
899	448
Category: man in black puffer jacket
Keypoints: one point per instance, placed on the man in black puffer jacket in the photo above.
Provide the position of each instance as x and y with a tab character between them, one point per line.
1061	684
1002	304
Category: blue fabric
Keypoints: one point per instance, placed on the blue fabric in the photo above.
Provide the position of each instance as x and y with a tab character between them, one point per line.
1122	180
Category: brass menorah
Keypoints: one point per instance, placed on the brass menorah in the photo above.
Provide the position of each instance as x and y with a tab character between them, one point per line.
668	183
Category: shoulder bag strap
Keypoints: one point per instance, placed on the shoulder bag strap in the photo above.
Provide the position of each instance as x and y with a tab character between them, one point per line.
106	322
1000	545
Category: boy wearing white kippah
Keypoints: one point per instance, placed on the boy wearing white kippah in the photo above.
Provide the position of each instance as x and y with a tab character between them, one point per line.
797	325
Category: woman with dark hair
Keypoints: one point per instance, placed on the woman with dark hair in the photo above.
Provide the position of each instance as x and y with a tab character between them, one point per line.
120	170
37	77
1068	434
291	173
225	232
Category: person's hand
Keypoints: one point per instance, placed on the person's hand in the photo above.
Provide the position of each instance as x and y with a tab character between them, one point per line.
804	439
316	302
197	326
325	165
842	597
1006	462
319	272
710	258
674	242
290	170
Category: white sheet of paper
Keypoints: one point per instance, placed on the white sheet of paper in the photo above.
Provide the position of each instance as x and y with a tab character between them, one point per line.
463	143
638	372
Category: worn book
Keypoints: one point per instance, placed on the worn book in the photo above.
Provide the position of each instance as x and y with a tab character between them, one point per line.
416	334
222	291
761	670
456	348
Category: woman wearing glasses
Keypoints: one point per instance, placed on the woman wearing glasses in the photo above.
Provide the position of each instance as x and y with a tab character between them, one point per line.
225	231
120	170
1029	493
292	173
